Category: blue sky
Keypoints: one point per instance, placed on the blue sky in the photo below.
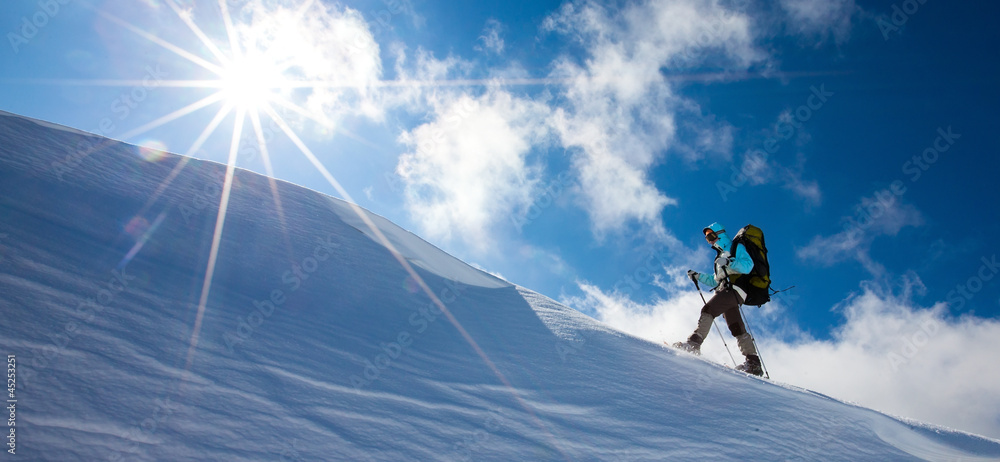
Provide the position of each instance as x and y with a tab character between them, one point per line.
579	148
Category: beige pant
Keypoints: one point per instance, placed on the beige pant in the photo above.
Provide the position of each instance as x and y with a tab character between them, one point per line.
727	303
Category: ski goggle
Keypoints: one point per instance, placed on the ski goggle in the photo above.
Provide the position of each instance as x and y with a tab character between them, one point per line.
713	236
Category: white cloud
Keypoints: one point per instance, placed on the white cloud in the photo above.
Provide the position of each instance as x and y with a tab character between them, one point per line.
468	169
882	214
889	354
616	115
485	270
620	112
820	17
669	319
903	359
427	68
415	74
491	40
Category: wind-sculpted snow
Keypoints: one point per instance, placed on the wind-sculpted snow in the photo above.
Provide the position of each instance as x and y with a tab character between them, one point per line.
316	344
414	249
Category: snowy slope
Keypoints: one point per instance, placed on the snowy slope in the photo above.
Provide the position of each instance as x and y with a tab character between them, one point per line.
317	344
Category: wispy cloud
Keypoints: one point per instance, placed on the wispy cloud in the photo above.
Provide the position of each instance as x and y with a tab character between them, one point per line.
491	41
755	170
882	214
820	18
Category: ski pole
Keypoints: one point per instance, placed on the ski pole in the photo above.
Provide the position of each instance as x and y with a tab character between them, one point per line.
754	338
696	286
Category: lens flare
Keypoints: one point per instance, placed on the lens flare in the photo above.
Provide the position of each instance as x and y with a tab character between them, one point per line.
137	227
411	285
152	150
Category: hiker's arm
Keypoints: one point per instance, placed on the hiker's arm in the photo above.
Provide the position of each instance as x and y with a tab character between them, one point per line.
741	263
707	280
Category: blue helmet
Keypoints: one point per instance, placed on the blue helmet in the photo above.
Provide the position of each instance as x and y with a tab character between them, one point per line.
724	241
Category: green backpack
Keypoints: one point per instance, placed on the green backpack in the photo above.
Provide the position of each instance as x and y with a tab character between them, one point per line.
757	283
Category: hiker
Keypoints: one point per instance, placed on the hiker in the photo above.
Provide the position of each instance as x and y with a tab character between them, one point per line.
730	265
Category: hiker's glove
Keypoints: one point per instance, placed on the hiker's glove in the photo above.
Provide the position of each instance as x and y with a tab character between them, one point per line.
722	260
693	275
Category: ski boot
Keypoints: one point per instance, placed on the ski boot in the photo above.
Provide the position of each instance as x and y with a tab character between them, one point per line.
692	345
751	366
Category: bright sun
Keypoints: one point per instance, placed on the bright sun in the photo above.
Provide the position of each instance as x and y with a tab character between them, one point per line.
249	82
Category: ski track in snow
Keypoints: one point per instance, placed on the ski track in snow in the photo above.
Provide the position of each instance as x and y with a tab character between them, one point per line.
349	361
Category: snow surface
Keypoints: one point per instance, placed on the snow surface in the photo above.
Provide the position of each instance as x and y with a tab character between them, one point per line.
316	344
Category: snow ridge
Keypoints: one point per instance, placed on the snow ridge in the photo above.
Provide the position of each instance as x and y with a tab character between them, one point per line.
317	345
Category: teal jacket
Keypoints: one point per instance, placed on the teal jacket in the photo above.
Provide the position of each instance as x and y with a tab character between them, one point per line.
726	262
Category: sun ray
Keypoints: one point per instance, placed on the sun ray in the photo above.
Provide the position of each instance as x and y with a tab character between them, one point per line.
192	83
209	129
324	122
209	43
164	185
234	43
208	100
295	84
167	45
269	168
425	83
142	241
108	142
327	123
220	221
